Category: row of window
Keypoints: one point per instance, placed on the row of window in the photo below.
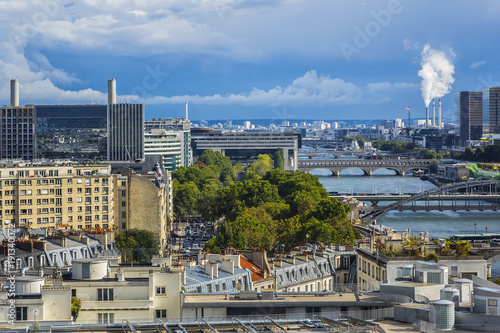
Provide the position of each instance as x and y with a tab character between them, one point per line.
56	181
56	201
55	173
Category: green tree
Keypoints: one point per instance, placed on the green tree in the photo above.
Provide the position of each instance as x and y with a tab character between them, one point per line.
433	166
279	160
185	198
257	169
76	305
140	243
469	154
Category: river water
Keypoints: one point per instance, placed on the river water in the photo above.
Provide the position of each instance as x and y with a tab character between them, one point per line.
438	224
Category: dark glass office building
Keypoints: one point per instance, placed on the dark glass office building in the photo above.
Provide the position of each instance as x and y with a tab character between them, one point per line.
491	110
76	132
469	115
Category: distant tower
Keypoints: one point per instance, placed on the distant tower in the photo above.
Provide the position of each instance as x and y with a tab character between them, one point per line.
186	110
433	112
439	117
14	92
111	91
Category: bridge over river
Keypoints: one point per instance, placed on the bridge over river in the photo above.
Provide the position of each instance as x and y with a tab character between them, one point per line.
336	166
472	195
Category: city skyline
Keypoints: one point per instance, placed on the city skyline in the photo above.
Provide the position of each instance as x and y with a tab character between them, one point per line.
280	60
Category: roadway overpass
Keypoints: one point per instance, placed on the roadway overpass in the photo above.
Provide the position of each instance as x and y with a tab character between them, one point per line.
336	166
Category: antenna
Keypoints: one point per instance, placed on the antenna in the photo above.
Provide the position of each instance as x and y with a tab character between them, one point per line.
409	117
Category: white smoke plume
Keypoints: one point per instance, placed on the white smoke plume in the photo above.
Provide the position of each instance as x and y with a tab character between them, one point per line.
436	73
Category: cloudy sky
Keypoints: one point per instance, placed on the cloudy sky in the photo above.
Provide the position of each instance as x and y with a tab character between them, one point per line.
248	59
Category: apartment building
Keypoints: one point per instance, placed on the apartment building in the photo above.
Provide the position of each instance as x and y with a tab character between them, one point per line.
77	195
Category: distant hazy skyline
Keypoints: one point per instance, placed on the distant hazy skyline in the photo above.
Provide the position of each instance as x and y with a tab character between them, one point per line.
237	59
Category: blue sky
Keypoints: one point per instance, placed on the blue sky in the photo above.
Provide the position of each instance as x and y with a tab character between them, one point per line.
247	59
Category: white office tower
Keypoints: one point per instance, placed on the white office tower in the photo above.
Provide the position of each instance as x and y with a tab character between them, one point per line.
398	123
318	124
335	125
246	125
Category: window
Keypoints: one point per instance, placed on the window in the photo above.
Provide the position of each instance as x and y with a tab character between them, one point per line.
161	313
105	294
492	302
96	189
70	190
21	313
105	318
124	215
88	191
73	292
96	199
124	193
31	262
70	200
161	290
124	203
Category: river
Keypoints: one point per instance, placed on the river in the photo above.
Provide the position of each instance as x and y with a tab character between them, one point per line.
438	224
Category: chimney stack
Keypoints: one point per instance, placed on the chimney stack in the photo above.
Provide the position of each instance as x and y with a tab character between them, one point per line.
439	117
14	92
186	110
433	112
111	91
426	117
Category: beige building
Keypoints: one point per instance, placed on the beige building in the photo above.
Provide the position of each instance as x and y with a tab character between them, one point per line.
80	196
84	196
144	201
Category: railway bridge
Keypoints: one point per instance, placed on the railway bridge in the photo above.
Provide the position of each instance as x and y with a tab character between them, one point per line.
434	199
336	166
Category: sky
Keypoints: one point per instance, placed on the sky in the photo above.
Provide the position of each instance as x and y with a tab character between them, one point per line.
251	59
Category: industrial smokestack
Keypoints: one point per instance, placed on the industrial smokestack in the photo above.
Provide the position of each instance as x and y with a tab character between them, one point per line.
426	116
439	117
186	110
14	92
111	91
433	112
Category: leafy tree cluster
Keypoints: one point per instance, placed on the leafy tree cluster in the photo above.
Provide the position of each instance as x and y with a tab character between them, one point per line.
136	246
395	147
490	153
277	211
195	186
279	159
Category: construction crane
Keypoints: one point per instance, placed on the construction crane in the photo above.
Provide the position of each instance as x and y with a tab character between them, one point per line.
409	118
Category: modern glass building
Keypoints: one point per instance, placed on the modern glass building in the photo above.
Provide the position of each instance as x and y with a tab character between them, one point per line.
170	139
74	132
469	115
491	110
17	133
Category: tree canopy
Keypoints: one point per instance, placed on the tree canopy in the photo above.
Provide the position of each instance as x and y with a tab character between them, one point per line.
136	246
267	208
279	210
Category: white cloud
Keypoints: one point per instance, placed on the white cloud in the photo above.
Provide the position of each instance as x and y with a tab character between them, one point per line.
409	45
309	89
477	64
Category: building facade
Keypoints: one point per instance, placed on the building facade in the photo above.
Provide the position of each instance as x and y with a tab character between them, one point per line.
17	133
491	110
71	132
171	140
55	194
246	145
125	132
469	115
